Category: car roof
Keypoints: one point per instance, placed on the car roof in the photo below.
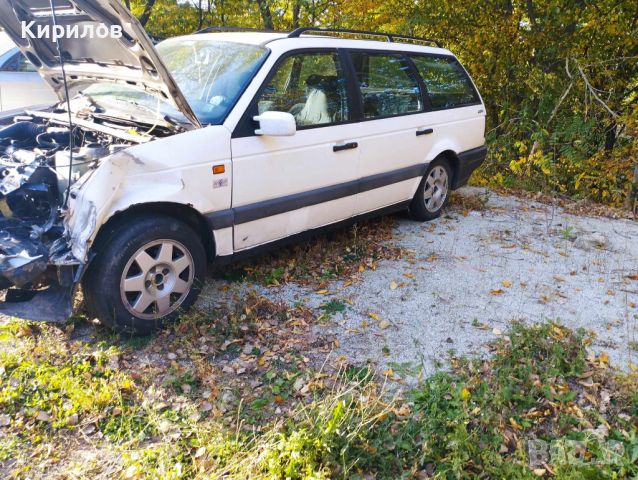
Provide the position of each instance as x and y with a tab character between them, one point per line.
314	40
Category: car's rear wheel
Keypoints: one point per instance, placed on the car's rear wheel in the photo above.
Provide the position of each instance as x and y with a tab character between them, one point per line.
433	192
148	272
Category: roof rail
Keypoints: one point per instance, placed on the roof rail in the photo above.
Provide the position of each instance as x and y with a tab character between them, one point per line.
236	29
391	37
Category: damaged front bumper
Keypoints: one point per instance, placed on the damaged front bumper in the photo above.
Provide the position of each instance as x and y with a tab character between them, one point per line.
38	273
38	279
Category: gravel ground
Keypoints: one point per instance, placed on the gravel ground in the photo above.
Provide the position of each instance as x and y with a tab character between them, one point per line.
465	278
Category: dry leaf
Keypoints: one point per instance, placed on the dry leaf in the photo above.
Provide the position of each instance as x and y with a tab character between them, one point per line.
515	424
383	324
43	417
506	283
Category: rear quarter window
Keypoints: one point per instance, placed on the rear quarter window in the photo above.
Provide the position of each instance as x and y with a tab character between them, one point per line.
447	83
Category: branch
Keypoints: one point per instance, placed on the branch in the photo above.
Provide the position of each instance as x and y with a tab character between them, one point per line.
592	90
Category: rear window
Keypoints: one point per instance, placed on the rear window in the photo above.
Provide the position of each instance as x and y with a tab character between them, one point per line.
447	83
387	85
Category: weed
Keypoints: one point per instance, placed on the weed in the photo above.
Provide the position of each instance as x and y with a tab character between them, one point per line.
568	233
333	306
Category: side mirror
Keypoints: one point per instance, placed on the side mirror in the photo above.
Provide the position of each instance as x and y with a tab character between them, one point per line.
276	124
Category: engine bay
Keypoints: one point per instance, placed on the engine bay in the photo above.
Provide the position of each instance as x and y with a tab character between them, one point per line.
40	157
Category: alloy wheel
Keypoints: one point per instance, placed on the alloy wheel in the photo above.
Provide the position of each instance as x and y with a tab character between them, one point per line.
157	279
436	189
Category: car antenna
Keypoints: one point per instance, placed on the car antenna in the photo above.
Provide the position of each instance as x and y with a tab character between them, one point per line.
68	103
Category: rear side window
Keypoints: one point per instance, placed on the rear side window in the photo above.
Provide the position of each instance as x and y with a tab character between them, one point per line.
387	85
447	83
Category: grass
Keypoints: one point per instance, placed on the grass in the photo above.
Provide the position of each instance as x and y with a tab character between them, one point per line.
541	406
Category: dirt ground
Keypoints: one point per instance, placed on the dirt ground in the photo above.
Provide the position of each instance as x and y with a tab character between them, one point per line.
467	275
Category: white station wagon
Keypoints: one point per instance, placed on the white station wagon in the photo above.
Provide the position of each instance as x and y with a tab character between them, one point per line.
159	160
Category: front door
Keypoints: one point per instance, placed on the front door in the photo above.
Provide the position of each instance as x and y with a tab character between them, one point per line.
286	185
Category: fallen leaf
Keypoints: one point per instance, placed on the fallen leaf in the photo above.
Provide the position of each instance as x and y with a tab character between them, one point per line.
383	324
497	291
130	471
374	316
506	283
515	424
394	286
43	417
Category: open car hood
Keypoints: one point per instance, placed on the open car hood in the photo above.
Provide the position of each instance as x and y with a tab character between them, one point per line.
130	59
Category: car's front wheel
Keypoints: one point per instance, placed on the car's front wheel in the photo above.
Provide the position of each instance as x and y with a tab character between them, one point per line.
148	271
433	192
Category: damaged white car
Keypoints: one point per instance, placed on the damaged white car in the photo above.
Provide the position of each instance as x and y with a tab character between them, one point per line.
160	160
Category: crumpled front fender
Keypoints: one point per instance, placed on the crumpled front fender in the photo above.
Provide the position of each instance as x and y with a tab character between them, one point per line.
175	169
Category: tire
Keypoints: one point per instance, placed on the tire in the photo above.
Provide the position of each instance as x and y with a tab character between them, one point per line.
433	192
148	271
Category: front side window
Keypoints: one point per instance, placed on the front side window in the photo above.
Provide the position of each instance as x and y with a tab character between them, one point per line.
310	86
387	85
447	83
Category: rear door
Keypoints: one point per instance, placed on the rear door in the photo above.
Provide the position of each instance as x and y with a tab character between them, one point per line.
286	185
394	134
456	113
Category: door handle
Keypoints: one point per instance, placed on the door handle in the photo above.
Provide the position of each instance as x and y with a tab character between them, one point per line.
427	131
345	146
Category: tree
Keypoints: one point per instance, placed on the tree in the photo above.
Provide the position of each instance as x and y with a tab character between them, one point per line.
559	77
146	14
266	14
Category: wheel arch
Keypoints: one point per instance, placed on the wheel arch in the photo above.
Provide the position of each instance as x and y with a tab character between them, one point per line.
183	213
453	160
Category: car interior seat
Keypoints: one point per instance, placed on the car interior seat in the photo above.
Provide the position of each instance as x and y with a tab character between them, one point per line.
323	103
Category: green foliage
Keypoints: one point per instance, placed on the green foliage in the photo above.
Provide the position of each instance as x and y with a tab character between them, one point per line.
333	306
559	78
472	421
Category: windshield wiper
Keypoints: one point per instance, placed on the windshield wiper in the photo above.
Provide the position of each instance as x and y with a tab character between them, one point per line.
176	123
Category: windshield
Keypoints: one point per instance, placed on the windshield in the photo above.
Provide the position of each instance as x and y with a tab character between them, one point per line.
211	75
